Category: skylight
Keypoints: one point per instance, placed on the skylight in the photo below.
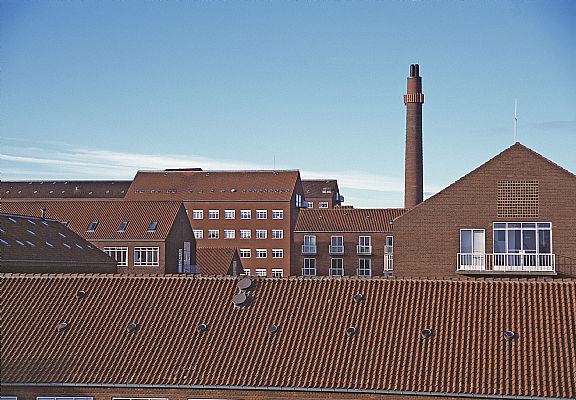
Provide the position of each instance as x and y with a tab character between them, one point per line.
30	243
20	243
152	226
32	222
12	219
4	242
30	232
49	244
122	226
61	234
92	226
66	245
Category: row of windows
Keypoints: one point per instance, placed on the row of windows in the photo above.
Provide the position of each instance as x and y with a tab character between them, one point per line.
231	214
321	204
243	234
143	256
276	273
337	267
261	253
152	226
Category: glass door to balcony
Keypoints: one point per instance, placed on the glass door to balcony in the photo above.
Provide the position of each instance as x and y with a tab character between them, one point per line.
472	249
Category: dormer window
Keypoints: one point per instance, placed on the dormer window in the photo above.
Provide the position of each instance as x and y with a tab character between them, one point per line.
92	226
152	226
122	226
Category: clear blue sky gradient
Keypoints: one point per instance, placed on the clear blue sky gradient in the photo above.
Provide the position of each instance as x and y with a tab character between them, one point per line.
99	89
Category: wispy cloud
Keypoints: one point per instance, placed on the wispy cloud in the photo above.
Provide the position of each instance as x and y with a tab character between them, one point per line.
559	127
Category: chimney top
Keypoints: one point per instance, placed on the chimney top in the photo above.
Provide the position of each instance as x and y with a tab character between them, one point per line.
414	70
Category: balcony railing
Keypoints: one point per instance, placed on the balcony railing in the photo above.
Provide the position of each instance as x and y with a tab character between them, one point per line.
363	250
506	262
336	249
388	262
308	249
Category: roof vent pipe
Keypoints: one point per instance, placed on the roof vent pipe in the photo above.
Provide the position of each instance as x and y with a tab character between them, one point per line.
43	213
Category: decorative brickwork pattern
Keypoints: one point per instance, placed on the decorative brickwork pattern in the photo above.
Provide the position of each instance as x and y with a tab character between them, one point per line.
518	199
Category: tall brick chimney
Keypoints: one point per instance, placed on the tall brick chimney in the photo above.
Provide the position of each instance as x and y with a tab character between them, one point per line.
413	174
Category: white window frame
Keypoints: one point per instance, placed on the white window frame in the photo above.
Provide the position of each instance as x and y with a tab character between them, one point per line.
323	204
310	204
229	234
54	398
261	272
245	214
261	214
247	272
198	233
197	214
213	234
277	253
120	254
277	273
362	268
229	214
261	253
261	234
277	214
277	233
245	253
333	269
148	260
309	267
213	214
245	233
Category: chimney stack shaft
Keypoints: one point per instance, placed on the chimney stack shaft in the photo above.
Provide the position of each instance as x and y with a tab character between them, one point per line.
413	173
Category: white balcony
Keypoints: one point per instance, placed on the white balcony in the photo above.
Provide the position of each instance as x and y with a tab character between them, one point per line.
363	250
507	263
388	262
336	249
309	249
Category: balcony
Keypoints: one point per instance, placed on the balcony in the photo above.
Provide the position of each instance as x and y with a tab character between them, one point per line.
362	250
309	249
508	263
336	249
388	262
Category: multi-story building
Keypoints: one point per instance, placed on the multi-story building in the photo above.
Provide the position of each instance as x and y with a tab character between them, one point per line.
514	215
252	211
144	237
41	245
322	193
344	242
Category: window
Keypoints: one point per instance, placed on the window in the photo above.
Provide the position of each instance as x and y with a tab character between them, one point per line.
277	253
336	245
122	227
310	204
213	233
245	253
120	254
247	272
309	268
322	204
197	214
471	249
261	253
364	245
277	234
198	233
245	233
59	398
261	233
146	256
92	226
245	214
298	201
152	226
229	214
522	244
277	273
309	246
336	267
261	214
364	267
389	249
260	272
229	234
277	214
213	214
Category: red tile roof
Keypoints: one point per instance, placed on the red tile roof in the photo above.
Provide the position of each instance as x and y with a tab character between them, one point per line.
347	219
466	353
109	215
217	261
30	244
213	185
64	189
320	188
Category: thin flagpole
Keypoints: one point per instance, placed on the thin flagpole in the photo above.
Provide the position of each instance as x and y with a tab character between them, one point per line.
515	119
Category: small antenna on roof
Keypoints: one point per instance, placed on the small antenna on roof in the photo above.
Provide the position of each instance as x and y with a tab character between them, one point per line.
274	163
515	118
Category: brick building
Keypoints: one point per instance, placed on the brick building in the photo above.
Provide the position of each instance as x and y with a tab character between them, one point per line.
514	215
322	193
41	245
108	337
344	242
144	237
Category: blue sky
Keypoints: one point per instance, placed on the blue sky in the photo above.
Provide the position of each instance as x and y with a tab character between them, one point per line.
100	89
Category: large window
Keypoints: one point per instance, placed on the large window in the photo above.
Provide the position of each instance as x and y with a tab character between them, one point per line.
472	249
337	267
277	214
336	245
213	234
261	214
198	233
522	244
364	267
277	273
277	253
245	214
197	214
261	272
309	246
277	234
261	253
213	214
261	233
364	245
120	254
309	268
229	233
229	214
146	256
245	233
245	253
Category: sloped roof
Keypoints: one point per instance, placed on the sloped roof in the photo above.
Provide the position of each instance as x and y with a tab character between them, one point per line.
347	219
64	189
109	215
213	185
315	188
29	241
216	261
467	352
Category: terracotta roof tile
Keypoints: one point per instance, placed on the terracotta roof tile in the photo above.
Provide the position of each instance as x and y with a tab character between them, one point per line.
217	261
64	189
466	353
109	215
347	219
213	185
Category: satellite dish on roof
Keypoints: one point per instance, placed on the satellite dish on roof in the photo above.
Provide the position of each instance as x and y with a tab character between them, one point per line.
62	326
239	299
426	332
351	331
358	298
272	329
132	327
509	335
81	294
245	283
201	328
